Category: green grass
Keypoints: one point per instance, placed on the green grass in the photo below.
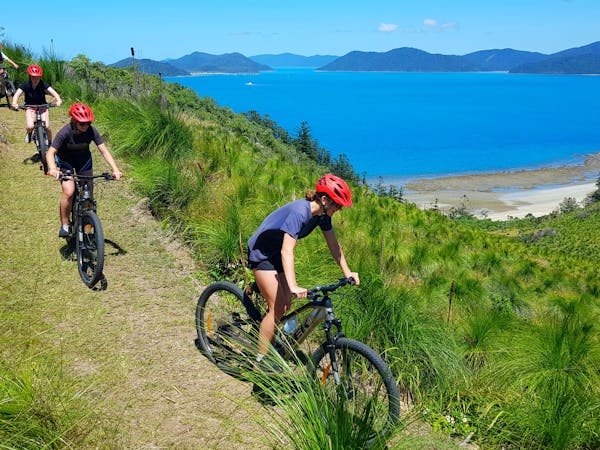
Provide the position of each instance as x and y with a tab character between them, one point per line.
497	321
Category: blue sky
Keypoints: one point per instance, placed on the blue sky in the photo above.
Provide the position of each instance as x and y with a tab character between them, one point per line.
106	30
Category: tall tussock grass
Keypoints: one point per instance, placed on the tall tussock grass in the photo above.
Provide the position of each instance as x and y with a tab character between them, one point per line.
38	412
145	130
470	318
550	376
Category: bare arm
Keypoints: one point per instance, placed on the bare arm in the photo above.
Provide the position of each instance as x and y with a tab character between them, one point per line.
15	98
110	160
54	94
289	269
15	65
338	255
51	162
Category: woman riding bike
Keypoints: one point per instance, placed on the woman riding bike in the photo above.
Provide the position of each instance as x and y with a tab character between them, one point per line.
271	249
70	150
35	90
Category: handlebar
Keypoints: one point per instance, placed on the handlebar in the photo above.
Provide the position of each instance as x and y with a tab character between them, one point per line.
43	105
69	174
317	291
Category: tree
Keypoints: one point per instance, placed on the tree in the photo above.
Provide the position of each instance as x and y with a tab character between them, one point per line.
595	196
305	143
342	168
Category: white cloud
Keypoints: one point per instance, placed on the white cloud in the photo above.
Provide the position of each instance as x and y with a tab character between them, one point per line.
433	24
388	27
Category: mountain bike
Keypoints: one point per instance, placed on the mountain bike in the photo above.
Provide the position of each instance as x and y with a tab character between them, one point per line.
86	228
40	133
7	88
227	323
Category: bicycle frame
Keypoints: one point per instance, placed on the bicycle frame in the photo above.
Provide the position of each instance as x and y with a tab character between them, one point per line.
40	133
321	306
7	88
83	198
87	233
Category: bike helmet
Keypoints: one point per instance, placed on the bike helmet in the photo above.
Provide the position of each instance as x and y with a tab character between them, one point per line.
34	70
335	188
81	112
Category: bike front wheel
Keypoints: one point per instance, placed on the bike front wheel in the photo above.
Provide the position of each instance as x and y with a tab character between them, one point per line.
227	323
89	246
9	88
41	139
363	383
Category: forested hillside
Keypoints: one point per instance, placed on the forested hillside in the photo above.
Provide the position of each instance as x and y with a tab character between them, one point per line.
493	337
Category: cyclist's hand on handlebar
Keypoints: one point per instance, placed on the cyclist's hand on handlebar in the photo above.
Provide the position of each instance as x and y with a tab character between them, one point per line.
117	174
58	102
14	106
55	172
354	276
298	292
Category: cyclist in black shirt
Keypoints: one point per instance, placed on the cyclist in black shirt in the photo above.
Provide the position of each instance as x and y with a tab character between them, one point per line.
70	150
35	90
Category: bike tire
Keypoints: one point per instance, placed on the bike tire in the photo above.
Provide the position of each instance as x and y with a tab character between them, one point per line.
227	323
42	146
366	384
89	247
9	88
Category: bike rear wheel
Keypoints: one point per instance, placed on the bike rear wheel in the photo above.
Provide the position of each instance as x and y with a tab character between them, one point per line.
227	323
42	145
365	385
89	246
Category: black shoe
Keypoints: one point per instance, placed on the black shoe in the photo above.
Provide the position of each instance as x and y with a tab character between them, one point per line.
27	138
268	367
261	396
62	233
36	158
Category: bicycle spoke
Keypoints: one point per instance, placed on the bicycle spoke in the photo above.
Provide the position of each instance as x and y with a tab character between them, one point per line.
226	332
362	383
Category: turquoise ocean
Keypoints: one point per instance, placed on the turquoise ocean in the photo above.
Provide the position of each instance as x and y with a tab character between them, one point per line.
402	126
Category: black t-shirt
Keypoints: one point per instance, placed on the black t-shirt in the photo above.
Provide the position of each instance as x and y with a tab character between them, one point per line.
74	147
35	96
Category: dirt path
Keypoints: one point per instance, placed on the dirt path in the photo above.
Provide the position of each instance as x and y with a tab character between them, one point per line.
130	347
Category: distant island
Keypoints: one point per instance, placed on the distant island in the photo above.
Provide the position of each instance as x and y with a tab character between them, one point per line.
292	60
580	60
577	60
196	62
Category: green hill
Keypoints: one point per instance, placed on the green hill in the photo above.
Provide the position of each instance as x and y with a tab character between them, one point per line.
151	67
492	337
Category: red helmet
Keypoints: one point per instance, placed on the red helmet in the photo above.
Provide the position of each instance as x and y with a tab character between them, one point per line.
335	188
81	112
34	70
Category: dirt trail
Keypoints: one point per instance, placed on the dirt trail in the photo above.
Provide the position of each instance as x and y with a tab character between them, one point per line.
131	346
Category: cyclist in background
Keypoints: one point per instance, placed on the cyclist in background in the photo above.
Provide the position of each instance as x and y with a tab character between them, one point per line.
3	58
271	249
70	150
35	90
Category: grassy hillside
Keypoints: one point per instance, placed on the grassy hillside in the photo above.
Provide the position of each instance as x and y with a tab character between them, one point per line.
101	369
489	335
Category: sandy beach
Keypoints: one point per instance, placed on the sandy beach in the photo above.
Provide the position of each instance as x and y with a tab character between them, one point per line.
502	195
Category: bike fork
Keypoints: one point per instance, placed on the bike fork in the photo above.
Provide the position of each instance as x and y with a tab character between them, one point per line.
332	358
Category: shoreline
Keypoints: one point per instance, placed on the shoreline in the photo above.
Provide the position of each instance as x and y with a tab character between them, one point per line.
507	194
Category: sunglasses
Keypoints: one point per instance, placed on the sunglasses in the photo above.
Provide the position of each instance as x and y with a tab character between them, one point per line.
83	124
